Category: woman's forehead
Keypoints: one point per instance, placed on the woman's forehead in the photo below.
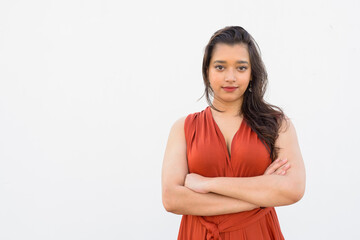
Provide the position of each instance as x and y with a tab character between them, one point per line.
227	52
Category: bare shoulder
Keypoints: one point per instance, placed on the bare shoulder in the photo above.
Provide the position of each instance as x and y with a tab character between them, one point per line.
178	124
288	145
287	127
176	141
287	141
175	162
177	130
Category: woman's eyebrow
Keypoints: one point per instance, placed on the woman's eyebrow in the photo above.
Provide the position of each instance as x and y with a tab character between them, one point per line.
240	61
219	61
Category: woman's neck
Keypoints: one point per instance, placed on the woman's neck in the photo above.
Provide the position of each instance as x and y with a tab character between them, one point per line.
228	109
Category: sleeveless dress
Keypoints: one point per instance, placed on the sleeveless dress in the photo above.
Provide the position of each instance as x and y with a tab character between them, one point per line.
208	156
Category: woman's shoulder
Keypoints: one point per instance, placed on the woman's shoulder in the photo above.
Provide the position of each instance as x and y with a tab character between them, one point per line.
285	124
185	121
191	116
179	122
287	131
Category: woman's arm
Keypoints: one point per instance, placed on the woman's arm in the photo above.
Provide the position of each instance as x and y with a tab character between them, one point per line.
266	190
181	200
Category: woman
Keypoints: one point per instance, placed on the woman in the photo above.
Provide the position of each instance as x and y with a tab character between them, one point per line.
226	168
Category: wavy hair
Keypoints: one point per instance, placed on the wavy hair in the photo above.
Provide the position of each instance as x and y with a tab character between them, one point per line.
263	118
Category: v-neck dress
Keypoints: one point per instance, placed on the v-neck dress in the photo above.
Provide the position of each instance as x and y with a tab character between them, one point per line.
208	155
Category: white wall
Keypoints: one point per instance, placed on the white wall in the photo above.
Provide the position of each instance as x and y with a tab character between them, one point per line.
89	90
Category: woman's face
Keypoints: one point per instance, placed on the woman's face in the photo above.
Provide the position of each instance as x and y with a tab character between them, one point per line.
229	72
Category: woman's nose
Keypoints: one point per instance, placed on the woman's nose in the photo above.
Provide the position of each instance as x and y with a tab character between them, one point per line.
230	76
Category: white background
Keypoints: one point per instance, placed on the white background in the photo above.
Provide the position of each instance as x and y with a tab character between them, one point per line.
90	89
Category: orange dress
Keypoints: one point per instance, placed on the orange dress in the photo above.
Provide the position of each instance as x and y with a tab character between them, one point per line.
208	156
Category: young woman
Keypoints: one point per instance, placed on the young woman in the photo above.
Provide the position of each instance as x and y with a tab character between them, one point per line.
226	168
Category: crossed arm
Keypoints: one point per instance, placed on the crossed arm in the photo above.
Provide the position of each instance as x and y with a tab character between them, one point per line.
192	194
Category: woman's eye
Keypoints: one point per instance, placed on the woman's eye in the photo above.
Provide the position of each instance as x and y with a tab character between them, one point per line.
242	68
219	67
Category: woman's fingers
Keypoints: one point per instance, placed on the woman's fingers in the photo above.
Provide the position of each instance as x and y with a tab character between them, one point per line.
277	167
283	169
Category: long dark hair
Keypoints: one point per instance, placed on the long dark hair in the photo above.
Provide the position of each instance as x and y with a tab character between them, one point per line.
263	118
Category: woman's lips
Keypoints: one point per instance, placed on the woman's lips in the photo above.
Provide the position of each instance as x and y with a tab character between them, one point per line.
229	89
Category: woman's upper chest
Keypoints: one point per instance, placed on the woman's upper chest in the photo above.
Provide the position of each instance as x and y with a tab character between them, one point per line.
209	156
228	126
223	146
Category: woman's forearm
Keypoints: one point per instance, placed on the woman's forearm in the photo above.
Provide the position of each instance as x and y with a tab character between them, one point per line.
264	190
280	185
181	200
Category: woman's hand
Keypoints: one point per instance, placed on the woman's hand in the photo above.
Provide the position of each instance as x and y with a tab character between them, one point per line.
278	167
196	182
